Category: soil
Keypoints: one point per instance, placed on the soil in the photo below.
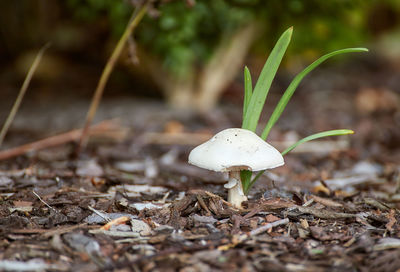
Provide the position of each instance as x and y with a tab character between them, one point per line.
131	202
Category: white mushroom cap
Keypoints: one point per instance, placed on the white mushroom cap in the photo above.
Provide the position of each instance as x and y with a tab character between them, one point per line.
235	149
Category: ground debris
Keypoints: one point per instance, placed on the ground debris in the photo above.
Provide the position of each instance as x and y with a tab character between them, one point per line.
387	243
31	265
319	213
97	219
89	168
336	211
88	246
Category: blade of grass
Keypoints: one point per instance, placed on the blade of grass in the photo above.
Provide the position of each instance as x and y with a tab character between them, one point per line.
336	132
251	183
264	82
248	90
137	16
252	108
21	94
245	177
296	81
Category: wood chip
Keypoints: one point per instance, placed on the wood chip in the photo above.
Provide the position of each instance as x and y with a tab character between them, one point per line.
115	233
304	223
116	221
326	202
269	226
323	214
387	243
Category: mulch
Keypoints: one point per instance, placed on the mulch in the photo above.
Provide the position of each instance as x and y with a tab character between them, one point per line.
131	202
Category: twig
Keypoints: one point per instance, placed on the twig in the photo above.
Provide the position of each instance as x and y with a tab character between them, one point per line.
203	205
53	141
22	92
62	230
320	213
44	202
326	202
136	18
268	226
117	221
308	202
99	213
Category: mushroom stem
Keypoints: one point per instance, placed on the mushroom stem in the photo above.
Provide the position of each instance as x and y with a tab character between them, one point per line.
235	194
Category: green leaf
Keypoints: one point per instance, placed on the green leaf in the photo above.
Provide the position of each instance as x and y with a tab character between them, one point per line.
248	90
264	82
251	183
245	177
336	132
296	81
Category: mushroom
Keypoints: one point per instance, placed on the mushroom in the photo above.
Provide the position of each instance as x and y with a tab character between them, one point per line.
233	150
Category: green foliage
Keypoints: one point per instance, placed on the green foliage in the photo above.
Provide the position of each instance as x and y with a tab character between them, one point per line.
253	106
336	132
295	82
184	36
117	12
248	90
264	82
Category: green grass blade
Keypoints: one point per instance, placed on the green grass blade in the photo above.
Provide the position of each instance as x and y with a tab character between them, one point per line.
264	82
248	90
245	177
296	81
251	183
336	132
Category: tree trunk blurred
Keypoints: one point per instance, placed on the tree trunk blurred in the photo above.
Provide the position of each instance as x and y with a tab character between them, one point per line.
180	94
223	67
201	90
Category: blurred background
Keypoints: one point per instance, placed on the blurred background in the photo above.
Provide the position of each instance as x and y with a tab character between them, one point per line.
188	56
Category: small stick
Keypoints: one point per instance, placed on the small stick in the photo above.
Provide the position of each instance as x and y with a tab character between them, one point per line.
117	221
41	200
136	18
268	226
309	202
22	91
102	215
52	141
202	204
325	201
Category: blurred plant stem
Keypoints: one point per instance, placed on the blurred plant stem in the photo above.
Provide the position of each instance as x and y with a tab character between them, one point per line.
22	91
137	16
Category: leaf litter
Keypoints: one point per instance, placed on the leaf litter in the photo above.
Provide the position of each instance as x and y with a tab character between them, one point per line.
135	205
